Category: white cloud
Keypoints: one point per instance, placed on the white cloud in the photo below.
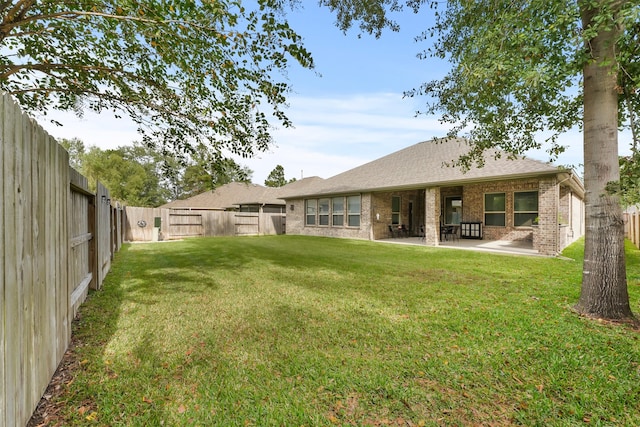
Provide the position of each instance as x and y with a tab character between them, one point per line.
103	130
331	134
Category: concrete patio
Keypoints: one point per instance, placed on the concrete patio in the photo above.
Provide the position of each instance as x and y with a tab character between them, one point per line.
496	246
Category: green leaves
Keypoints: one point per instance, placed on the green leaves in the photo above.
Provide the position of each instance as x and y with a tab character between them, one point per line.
193	75
276	178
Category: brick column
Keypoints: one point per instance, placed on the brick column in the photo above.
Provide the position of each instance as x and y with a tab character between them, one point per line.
432	216
548	199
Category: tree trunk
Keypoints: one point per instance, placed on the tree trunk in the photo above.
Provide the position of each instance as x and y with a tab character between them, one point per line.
604	282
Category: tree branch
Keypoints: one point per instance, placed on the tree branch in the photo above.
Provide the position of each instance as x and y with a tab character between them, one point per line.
6	27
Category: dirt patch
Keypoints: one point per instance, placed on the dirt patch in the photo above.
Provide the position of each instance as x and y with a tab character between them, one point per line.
47	412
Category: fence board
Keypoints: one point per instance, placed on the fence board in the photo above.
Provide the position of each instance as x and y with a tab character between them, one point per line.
41	320
103	232
11	312
46	260
80	265
632	227
179	223
139	223
3	196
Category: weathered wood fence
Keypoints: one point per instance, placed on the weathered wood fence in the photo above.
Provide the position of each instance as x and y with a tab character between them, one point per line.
57	242
632	227
180	223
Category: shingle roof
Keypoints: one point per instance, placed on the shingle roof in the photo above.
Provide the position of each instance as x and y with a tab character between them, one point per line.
239	193
227	196
423	164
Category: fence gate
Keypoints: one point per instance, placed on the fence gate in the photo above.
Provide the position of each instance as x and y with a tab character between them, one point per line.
247	224
185	225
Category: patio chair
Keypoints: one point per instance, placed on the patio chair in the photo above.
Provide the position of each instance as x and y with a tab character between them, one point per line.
447	231
404	231
455	232
393	231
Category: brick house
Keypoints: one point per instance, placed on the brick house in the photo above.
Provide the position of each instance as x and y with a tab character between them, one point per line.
415	190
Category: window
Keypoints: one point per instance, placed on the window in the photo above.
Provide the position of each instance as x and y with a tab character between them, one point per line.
494	209
323	212
395	210
353	211
525	208
311	208
318	211
453	210
337	207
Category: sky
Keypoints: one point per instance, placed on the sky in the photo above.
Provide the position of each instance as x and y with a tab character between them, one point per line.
348	111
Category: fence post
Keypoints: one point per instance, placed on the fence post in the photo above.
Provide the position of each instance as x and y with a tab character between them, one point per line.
635	220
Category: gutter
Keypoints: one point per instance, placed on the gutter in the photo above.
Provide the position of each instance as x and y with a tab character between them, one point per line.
420	186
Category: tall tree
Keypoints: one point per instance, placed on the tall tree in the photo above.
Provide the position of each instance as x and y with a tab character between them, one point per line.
130	178
276	178
194	76
209	174
522	68
76	150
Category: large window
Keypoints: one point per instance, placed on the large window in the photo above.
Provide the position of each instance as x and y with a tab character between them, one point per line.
323	212
353	211
494	209
311	209
395	210
337	207
332	211
525	208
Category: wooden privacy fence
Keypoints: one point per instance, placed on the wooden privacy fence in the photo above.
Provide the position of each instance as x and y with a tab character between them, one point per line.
632	227
57	242
180	223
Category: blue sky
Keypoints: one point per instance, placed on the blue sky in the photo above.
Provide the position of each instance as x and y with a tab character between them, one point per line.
346	112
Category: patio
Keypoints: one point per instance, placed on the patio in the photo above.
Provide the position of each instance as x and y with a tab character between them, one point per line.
520	247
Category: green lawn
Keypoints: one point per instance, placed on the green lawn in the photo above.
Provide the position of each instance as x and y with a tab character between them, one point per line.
299	331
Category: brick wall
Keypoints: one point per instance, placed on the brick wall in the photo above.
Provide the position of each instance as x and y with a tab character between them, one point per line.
473	207
547	241
296	222
381	211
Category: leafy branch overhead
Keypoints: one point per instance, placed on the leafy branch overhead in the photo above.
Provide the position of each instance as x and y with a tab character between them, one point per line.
192	75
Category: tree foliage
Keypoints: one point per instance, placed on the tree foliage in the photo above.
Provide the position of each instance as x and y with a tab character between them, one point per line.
630	179
194	76
209	174
137	175
276	178
516	67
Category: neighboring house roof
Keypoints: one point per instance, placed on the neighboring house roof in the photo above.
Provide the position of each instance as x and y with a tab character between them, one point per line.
223	197
299	185
274	195
426	164
239	193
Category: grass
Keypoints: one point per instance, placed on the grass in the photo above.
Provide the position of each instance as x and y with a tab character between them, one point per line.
299	331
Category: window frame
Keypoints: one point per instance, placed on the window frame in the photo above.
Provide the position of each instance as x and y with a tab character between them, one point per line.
396	214
529	213
323	216
495	213
307	205
337	214
351	214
